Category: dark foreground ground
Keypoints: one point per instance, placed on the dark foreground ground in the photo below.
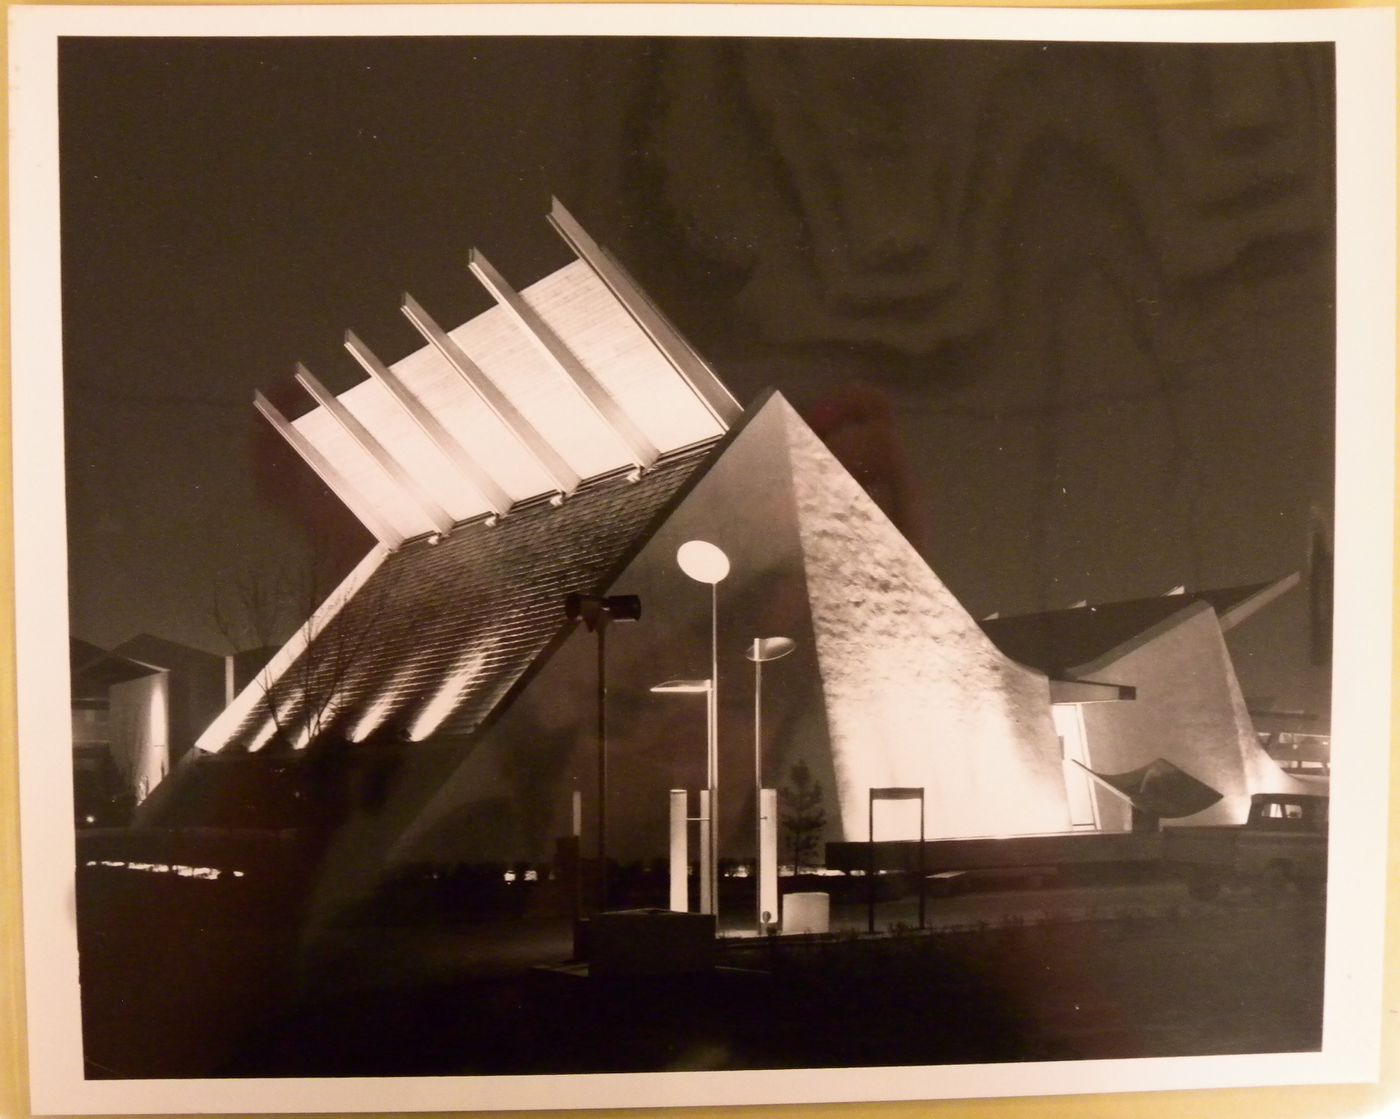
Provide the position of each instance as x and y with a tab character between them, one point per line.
1092	972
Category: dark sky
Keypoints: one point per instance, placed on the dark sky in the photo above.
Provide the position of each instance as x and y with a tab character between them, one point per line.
1066	309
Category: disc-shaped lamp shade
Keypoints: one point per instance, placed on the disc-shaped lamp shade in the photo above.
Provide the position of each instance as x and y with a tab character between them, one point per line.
702	561
769	648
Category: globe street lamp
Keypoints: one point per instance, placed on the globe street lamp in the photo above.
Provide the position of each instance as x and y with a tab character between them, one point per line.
762	650
706	563
595	611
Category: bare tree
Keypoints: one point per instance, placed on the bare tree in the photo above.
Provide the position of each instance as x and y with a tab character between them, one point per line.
266	610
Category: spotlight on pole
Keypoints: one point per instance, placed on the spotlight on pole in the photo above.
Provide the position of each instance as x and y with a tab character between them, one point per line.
596	611
761	651
706	563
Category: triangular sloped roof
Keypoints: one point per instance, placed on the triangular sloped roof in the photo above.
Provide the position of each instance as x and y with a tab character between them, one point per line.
1059	641
94	669
151	649
441	633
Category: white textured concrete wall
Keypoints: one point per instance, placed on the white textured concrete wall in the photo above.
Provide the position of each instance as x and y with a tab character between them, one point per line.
915	692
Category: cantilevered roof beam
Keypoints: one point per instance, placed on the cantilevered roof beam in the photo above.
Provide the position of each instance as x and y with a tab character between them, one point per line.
355	501
551	462
641	449
691	366
496	498
409	486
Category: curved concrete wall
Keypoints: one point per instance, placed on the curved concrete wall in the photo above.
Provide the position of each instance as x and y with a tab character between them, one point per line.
1189	709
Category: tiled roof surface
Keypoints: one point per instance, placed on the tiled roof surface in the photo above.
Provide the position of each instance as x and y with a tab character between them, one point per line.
1060	640
441	632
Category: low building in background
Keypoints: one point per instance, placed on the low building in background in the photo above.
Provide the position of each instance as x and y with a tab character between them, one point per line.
137	710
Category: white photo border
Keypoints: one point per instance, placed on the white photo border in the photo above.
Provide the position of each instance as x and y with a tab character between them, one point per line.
1366	307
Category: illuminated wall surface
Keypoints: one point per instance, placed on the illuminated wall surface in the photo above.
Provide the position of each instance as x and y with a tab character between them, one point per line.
140	730
916	693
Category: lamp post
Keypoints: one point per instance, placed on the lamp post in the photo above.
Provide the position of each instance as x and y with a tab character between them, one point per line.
706	563
705	688
762	650
595	611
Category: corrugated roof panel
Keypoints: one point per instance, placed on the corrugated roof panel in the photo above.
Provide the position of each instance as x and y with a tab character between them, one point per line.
481	433
362	472
371	404
544	395
601	333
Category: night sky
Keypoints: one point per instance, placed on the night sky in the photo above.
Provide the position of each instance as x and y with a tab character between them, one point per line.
1065	310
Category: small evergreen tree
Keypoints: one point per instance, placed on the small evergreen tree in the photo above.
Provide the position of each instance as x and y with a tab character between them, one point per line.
802	817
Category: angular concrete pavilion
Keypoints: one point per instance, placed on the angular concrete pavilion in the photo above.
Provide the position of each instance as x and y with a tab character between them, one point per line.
568	440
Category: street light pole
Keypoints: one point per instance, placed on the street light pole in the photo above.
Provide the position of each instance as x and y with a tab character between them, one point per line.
595	611
713	750
602	632
706	563
763	649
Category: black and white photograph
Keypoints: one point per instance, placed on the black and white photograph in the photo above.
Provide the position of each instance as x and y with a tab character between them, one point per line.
563	550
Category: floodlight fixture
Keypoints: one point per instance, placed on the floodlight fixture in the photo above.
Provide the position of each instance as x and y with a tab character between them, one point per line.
595	610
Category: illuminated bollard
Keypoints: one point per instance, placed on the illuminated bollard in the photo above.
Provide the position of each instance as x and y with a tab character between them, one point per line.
768	855
680	856
707	901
